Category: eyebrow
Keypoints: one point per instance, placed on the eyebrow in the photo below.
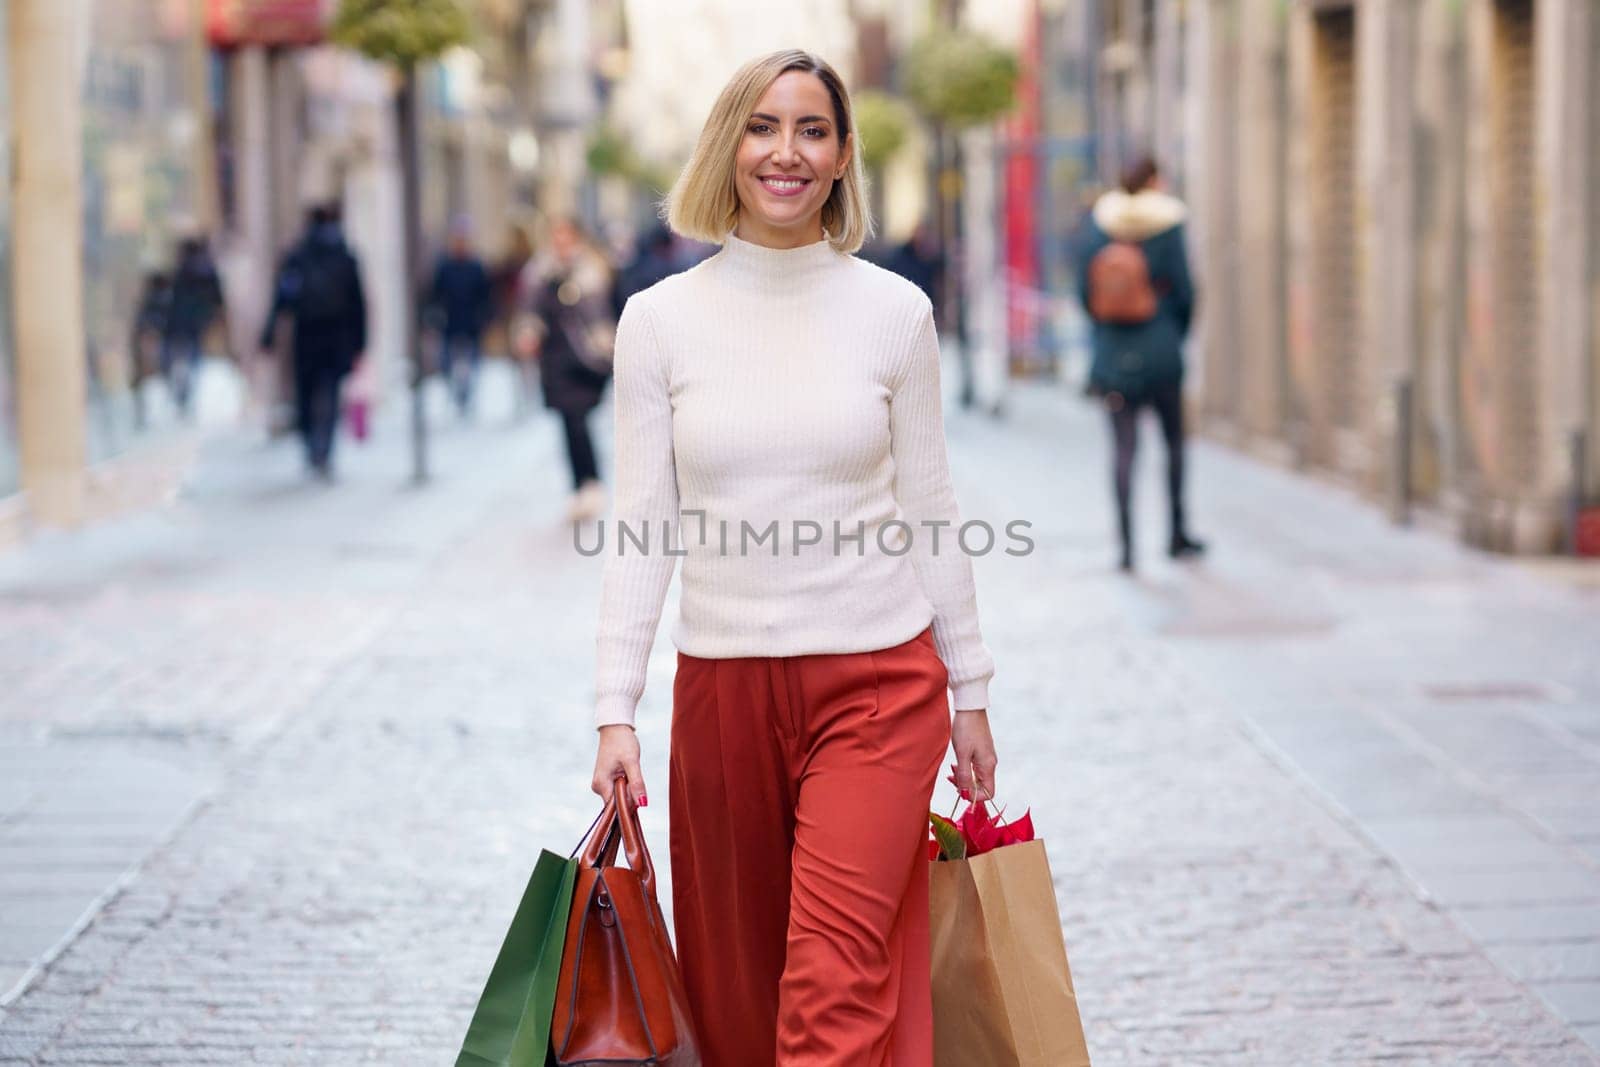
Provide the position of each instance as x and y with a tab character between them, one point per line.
802	118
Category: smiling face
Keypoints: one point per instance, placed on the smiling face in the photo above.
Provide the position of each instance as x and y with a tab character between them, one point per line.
787	162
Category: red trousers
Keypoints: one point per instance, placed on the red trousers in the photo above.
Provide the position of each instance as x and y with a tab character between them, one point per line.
799	801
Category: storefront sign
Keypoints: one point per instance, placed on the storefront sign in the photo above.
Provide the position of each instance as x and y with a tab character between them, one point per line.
267	22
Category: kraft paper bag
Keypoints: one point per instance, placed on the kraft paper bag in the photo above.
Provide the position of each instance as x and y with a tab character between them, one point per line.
1002	990
511	1026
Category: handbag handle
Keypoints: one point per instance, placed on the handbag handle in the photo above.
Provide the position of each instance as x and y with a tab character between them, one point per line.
600	847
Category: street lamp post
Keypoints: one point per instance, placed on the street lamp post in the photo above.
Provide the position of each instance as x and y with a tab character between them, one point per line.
411	201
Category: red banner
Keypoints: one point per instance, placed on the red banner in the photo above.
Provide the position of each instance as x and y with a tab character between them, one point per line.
1588	532
266	22
1021	187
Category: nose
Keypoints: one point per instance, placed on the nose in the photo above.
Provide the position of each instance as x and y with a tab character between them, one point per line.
784	150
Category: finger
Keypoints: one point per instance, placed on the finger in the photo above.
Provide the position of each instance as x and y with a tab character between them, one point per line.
967	783
964	794
984	773
636	783
963	777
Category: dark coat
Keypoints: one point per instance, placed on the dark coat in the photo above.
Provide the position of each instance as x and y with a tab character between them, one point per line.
462	297
650	266
329	341
196	296
1133	359
568	382
921	267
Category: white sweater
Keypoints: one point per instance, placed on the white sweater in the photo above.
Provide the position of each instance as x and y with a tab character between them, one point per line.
791	396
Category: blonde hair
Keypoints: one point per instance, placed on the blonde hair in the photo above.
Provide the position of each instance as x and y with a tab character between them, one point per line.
704	204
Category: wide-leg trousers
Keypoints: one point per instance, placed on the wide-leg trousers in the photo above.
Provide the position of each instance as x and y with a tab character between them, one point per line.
799	793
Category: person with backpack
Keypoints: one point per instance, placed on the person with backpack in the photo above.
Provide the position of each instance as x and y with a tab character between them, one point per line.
319	286
1134	282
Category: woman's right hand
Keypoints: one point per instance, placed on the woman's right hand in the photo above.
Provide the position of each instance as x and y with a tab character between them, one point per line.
618	754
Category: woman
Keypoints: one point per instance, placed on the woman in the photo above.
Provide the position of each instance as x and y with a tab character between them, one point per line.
1140	363
569	293
785	392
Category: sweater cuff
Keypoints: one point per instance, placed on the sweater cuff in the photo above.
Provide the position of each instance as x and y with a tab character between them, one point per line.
613	709
971	696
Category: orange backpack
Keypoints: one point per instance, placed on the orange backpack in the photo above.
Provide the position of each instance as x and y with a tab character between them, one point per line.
1120	290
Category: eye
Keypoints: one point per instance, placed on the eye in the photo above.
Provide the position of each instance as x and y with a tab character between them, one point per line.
758	127
818	130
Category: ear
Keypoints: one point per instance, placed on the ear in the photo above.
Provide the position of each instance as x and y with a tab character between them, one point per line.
846	155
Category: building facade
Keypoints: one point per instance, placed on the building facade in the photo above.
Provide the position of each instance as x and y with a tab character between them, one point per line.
102	135
128	125
1396	205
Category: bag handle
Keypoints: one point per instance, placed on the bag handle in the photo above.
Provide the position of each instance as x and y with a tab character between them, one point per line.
600	848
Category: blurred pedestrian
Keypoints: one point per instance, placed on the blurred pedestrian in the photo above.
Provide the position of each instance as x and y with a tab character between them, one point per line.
572	329
1134	282
195	303
461	304
919	260
149	329
786	380
652	260
319	287
506	279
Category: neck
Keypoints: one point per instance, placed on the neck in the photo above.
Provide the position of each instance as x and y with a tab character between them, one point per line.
774	237
785	266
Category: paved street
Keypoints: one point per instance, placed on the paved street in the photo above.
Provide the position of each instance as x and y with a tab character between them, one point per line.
275	760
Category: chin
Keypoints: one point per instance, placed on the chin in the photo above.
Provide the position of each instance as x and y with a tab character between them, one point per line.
787	220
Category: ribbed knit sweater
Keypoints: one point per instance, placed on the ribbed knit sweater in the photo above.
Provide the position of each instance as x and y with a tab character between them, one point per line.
777	412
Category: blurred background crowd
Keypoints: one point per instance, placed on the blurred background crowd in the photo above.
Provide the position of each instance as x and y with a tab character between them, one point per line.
1394	210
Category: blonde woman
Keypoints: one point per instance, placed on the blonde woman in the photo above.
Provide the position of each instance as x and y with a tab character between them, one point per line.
778	421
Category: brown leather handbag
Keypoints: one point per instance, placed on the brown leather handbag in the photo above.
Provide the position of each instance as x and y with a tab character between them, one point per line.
619	998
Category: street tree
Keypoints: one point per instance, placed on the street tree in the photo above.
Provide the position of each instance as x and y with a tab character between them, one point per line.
957	80
406	34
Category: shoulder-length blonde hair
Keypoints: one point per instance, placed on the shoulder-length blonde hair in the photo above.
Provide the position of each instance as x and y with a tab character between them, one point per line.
704	204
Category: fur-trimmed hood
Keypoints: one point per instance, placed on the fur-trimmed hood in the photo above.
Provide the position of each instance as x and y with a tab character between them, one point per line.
1137	216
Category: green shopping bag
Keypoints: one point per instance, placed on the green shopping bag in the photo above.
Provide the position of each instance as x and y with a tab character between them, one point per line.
511	1026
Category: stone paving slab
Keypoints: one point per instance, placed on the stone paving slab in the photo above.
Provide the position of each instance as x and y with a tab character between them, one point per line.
1428	693
92	812
1546	922
113	726
342	896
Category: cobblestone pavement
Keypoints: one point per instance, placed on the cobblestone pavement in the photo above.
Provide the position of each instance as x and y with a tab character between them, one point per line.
1260	778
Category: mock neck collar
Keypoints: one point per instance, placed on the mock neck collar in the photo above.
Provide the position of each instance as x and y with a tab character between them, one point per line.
788	265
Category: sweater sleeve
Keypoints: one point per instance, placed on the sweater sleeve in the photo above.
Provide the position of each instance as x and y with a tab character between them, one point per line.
923	490
633	582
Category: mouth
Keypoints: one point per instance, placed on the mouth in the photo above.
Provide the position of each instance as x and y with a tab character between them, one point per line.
782	186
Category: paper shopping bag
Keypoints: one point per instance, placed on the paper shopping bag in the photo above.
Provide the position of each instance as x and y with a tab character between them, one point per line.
511	1026
1002	991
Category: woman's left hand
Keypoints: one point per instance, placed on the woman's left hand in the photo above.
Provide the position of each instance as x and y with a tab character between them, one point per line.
975	758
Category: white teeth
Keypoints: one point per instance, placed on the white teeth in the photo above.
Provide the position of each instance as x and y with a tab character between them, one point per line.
780	183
